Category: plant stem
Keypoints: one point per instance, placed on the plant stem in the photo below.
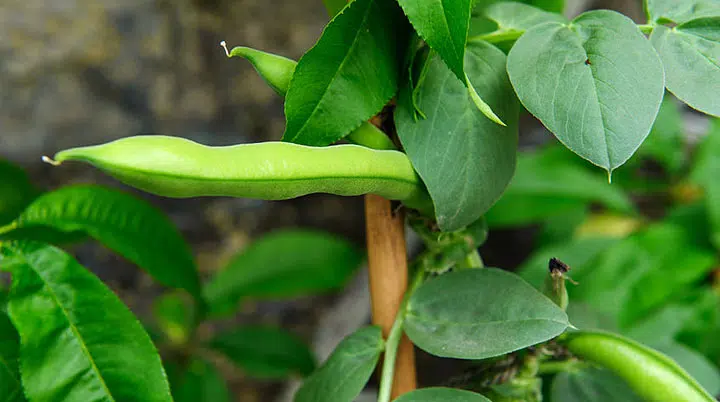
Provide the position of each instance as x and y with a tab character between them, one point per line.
560	366
473	260
371	137
393	341
646	28
498	36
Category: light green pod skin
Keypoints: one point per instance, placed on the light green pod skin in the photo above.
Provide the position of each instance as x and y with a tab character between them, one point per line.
652	375
275	70
180	168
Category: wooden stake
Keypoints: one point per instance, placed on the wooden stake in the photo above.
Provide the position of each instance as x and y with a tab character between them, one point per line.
388	272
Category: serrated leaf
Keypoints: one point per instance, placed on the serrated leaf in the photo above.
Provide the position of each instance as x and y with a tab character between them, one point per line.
349	75
198	382
287	263
334	6
265	352
595	83
344	375
125	224
440	394
10	386
16	191
591	385
680	11
79	342
464	160
548	182
514	16
462	315
691	55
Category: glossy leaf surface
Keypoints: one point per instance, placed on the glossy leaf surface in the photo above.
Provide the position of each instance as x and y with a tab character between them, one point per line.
348	76
79	342
286	263
691	55
595	83
265	352
344	375
457	313
464	159
125	224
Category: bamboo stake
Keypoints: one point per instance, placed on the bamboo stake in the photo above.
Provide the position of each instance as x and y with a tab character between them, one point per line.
388	272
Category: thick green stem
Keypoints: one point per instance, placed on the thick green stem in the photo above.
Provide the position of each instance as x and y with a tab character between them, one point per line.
646	28
556	367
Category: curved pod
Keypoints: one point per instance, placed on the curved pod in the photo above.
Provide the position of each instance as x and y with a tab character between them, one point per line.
652	375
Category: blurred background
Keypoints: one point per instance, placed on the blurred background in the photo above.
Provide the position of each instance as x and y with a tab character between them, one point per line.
81	72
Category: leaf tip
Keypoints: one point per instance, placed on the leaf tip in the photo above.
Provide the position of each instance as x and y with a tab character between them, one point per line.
224	46
50	161
481	105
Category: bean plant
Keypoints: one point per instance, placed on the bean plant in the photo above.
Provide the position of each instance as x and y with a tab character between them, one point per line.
425	97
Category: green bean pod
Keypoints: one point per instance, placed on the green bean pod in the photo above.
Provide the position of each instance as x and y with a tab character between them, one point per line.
652	375
180	168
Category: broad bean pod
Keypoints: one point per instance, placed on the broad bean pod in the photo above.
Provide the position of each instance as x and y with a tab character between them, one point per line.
180	168
652	375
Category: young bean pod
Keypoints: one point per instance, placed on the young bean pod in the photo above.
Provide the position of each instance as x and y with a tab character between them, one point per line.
652	375
180	168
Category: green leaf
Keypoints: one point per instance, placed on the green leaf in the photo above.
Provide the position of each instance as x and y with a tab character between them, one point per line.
444	25
462	315
174	316
200	382
344	375
123	223
596	83
549	182
10	386
666	143
680	11
439	394
79	342
349	75
702	330
265	352
694	363
16	191
286	263
464	160
662	326
670	249
691	55
513	16
591	385
334	6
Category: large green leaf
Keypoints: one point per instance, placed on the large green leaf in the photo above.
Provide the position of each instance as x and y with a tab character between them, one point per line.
265	352
123	223
199	382
344	375
691	55
439	394
465	160
10	386
174	316
591	385
16	191
549	182
349	75
286	263
462	315
680	11
79	342
596	83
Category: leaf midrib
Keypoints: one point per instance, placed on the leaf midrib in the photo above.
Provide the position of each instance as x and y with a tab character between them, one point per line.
73	328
